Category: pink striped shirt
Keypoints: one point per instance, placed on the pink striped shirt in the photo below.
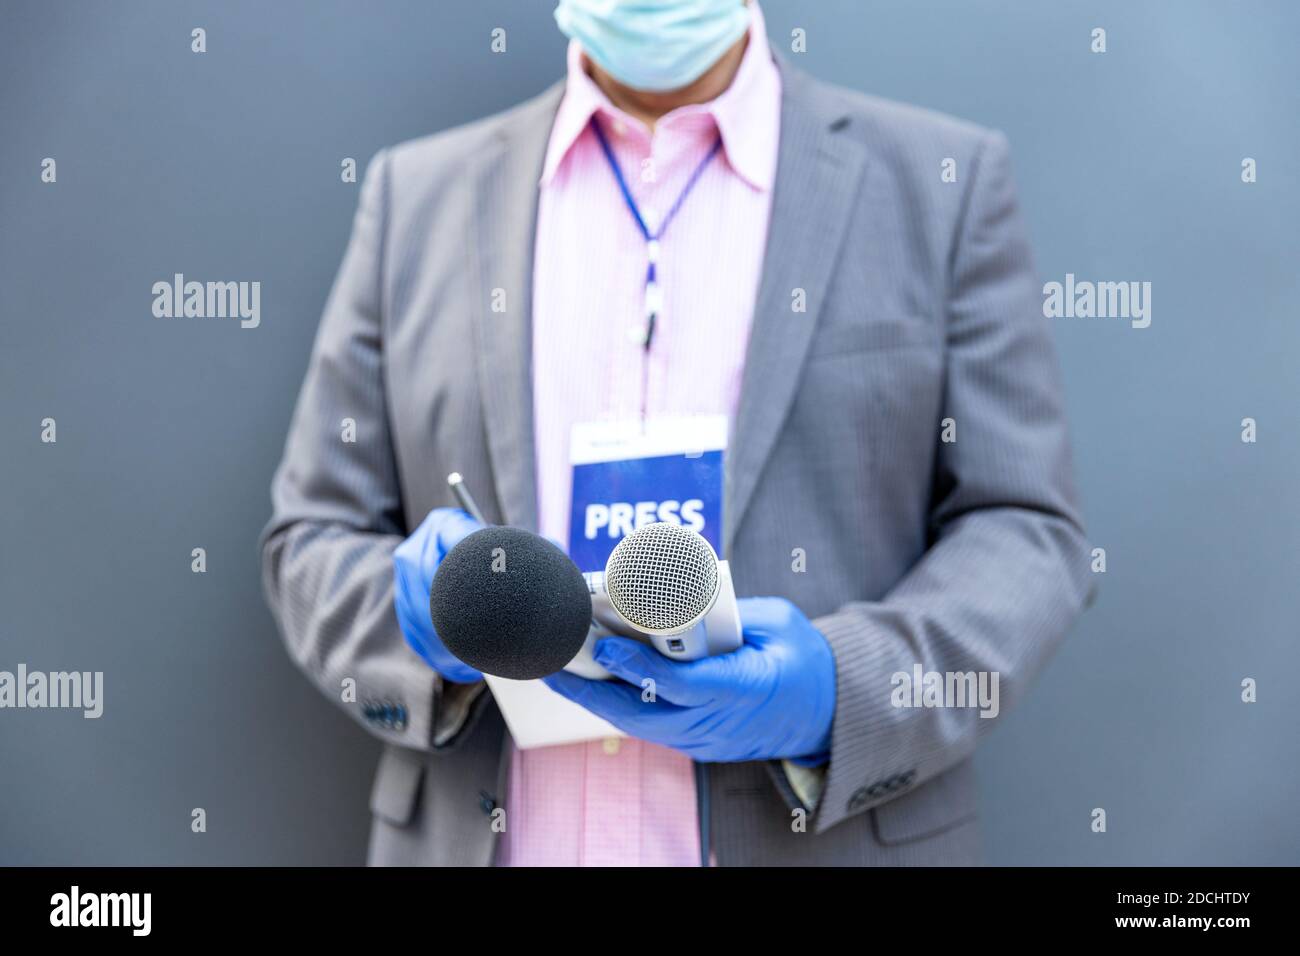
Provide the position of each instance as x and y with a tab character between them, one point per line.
625	801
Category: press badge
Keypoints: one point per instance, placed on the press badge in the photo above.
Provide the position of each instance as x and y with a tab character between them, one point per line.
630	474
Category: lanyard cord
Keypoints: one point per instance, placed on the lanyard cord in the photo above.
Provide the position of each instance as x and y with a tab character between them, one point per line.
652	239
627	193
653	300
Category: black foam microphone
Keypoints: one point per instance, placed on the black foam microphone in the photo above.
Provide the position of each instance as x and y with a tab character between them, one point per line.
510	603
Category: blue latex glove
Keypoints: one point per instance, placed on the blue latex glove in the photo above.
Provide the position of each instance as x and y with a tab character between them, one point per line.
772	697
414	562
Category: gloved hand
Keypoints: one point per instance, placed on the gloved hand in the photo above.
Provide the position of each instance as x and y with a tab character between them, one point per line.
774	696
414	562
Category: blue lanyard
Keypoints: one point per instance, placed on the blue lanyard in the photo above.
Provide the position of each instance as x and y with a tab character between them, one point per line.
652	239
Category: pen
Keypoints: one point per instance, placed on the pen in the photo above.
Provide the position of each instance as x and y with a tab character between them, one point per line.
457	484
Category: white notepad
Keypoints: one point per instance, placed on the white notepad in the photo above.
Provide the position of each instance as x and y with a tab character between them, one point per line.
539	717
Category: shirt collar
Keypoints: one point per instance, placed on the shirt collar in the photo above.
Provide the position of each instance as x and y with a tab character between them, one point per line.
747	113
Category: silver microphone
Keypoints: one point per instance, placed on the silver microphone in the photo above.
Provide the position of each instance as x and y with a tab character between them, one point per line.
663	585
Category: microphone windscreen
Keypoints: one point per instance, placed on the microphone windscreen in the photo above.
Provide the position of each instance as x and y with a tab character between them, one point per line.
510	603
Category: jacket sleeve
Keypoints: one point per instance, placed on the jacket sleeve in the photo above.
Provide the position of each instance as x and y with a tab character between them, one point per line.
327	562
1007	570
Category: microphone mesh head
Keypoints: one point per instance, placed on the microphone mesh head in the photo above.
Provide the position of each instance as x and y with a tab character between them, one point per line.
662	577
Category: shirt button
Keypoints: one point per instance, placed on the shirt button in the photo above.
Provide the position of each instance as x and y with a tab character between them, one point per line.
611	746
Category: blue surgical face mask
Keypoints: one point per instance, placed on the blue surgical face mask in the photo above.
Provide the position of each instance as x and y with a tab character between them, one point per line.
654	45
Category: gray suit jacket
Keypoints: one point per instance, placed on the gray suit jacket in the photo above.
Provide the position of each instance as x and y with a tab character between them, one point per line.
922	306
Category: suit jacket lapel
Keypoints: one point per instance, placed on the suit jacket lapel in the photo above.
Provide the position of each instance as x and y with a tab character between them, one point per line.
506	218
817	178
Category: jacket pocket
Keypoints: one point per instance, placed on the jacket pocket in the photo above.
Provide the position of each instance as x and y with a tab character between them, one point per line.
397	785
845	338
942	803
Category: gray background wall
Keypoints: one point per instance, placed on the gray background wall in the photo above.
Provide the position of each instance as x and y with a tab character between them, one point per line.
226	166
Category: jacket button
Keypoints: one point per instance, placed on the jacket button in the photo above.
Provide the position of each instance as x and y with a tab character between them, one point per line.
859	800
487	803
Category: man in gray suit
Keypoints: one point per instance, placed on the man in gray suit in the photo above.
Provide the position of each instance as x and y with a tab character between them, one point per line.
897	475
